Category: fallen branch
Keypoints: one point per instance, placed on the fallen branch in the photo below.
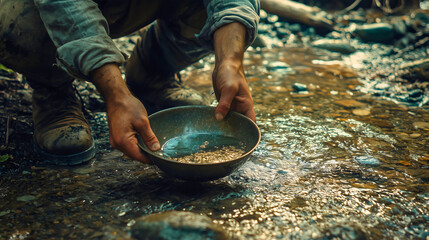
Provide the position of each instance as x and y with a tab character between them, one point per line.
298	12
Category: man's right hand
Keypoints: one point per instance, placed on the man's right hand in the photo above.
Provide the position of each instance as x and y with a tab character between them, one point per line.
126	115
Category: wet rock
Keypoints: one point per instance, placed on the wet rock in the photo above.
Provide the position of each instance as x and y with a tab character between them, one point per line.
361	112
367	160
380	123
421	125
176	225
403	42
349	103
312	87
334	45
278	89
415	135
26	198
263	14
399	26
420	16
299	87
272	18
382	86
3	213
295	28
283	32
278	65
375	32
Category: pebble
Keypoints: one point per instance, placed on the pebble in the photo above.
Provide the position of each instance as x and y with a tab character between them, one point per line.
334	45
375	32
421	16
361	112
382	86
381	123
277	65
299	87
277	89
3	213
403	136
295	28
367	160
421	125
176	225
312	87
415	135
26	198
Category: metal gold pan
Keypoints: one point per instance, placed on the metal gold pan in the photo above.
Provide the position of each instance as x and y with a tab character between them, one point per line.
173	123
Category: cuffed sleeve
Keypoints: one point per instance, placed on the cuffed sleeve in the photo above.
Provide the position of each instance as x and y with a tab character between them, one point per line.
81	34
221	12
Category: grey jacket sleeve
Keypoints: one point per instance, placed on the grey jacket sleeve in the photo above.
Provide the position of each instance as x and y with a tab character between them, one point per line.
80	33
221	12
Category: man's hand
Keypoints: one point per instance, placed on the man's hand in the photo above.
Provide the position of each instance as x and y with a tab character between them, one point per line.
126	114
229	82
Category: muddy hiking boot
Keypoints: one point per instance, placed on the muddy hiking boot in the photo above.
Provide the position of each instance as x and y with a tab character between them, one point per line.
61	133
165	92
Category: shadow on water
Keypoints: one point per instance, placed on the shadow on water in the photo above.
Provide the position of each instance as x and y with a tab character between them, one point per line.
334	163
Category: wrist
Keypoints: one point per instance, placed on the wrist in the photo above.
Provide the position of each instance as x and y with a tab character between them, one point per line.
231	62
110	84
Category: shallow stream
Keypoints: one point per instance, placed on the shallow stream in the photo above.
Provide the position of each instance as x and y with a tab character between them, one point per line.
333	163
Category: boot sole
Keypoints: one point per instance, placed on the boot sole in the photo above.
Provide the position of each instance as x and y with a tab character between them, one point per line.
67	160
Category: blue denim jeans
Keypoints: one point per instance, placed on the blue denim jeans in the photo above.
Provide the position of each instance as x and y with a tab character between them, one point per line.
52	42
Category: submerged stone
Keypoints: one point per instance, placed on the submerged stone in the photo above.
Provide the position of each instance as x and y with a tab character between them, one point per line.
278	65
361	112
367	160
421	125
176	225
299	87
334	45
375	32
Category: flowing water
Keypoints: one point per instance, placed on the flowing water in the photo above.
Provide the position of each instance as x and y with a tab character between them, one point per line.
333	163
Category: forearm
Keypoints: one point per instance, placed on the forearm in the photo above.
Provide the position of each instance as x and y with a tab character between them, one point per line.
126	115
230	44
229	81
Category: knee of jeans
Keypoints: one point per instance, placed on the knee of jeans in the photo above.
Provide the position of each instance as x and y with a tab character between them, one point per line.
186	18
24	43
